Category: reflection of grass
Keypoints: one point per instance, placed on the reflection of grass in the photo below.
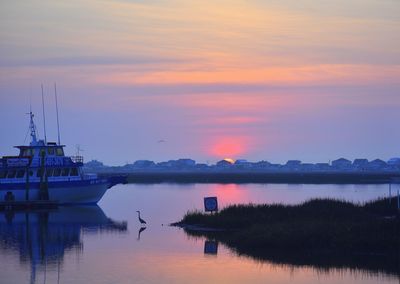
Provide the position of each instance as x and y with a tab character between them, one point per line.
321	224
321	232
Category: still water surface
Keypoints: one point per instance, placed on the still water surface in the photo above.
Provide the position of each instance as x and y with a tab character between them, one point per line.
105	243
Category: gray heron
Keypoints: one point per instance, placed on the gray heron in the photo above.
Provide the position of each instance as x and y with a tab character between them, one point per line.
140	219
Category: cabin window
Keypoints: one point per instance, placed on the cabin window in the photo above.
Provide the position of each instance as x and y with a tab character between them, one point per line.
60	152
65	172
42	152
50	151
28	152
74	172
56	172
20	173
30	173
11	174
3	174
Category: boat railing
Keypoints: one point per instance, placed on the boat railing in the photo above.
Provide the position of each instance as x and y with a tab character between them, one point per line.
89	176
77	159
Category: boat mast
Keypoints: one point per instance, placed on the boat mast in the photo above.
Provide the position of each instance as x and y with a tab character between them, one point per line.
58	123
44	118
32	128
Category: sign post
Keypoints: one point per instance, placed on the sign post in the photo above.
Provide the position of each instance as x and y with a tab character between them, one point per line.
211	204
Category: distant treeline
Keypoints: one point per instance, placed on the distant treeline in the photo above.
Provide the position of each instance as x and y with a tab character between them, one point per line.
259	177
229	166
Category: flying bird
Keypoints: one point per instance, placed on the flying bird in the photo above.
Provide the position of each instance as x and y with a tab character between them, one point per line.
140	219
161	141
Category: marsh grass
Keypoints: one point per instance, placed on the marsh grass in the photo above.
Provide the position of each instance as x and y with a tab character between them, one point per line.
318	224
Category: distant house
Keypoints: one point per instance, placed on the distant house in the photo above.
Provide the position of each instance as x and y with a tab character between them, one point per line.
224	164
394	162
322	167
293	163
177	164
201	166
307	167
341	164
377	164
262	165
94	164
163	165
142	164
128	167
171	164
360	164
185	163
275	167
243	164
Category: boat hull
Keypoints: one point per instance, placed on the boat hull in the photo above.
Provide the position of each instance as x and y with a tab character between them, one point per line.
79	192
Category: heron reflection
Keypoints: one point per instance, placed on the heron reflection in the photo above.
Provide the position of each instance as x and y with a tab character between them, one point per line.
43	237
139	232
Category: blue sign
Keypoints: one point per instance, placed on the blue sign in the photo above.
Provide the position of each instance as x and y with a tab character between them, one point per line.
17	162
54	161
210	204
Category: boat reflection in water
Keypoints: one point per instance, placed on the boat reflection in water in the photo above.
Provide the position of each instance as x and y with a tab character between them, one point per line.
43	237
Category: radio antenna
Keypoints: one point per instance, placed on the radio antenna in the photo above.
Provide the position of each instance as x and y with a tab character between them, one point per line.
44	118
58	123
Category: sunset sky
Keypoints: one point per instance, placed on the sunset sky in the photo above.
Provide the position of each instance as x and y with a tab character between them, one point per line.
258	80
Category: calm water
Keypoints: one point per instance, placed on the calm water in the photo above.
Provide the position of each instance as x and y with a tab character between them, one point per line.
101	244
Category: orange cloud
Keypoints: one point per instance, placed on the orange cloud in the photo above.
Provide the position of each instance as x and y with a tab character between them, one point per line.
337	74
236	120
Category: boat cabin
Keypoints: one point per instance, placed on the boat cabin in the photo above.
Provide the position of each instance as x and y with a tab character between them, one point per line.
50	150
39	159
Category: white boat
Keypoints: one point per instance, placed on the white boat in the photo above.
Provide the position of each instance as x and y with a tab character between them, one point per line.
41	172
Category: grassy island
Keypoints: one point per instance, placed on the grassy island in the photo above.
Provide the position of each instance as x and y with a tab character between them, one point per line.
318	230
